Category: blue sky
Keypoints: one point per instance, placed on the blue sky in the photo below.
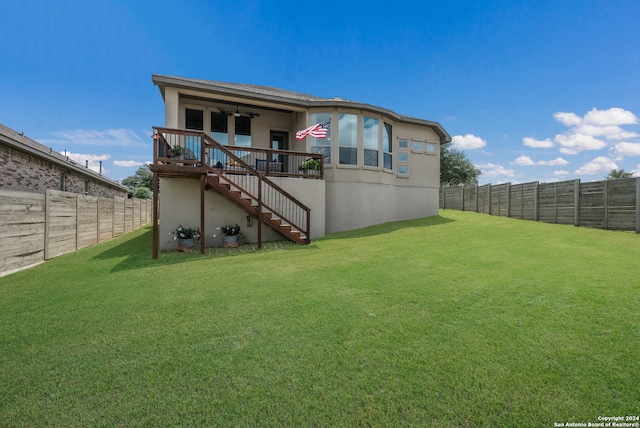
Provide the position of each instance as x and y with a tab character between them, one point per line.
530	90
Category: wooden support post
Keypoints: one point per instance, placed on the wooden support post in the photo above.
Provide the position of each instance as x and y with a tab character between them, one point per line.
203	184
259	211
155	216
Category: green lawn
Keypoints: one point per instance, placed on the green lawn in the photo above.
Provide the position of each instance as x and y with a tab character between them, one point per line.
459	320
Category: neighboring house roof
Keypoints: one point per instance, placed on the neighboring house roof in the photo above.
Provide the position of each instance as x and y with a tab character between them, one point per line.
20	141
286	97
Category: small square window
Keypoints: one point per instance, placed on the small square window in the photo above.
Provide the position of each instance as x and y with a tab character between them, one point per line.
403	144
403	170
403	157
431	148
416	146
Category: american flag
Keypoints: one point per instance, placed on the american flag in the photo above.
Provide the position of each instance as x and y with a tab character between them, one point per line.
319	130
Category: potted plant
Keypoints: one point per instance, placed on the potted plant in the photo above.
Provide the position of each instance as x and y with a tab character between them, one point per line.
230	234
186	237
175	152
310	165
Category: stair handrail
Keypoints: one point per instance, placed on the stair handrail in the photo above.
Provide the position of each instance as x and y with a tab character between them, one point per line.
210	142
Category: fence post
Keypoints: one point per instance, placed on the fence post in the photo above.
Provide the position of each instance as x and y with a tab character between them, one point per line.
47	223
508	199
444	198
576	203
637	205
477	191
489	190
555	202
463	197
605	203
536	214
77	219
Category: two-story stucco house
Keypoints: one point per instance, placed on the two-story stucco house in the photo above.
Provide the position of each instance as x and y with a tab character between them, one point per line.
239	161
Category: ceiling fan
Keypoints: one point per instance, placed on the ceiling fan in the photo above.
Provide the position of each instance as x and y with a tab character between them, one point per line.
238	113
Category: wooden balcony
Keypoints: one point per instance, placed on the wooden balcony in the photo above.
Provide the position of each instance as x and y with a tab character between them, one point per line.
188	153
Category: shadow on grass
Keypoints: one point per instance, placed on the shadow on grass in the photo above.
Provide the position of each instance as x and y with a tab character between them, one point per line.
136	252
382	229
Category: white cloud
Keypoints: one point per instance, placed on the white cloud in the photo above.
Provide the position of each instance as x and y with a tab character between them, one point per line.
621	150
613	116
493	170
601	164
609	132
468	142
92	137
127	163
572	144
583	131
527	161
94	160
524	161
537	144
567	119
560	173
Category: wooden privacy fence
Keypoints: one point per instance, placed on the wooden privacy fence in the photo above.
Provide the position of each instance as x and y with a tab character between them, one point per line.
610	204
36	227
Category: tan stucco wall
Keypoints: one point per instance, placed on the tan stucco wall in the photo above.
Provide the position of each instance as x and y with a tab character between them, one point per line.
180	204
353	205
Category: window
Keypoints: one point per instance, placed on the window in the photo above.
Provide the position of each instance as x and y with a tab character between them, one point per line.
322	145
371	141
403	157
348	139
403	144
220	127
387	146
431	148
243	131
416	146
194	119
63	180
403	170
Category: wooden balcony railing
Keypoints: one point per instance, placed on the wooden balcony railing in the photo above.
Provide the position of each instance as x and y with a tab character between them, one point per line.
193	148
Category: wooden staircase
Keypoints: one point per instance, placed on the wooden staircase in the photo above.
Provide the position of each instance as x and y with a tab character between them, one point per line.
262	208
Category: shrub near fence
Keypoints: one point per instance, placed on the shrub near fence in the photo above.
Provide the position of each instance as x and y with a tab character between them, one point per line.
610	204
35	227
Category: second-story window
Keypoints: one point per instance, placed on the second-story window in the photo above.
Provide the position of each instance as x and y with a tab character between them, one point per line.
194	119
387	145
322	145
371	141
243	131
348	139
220	127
